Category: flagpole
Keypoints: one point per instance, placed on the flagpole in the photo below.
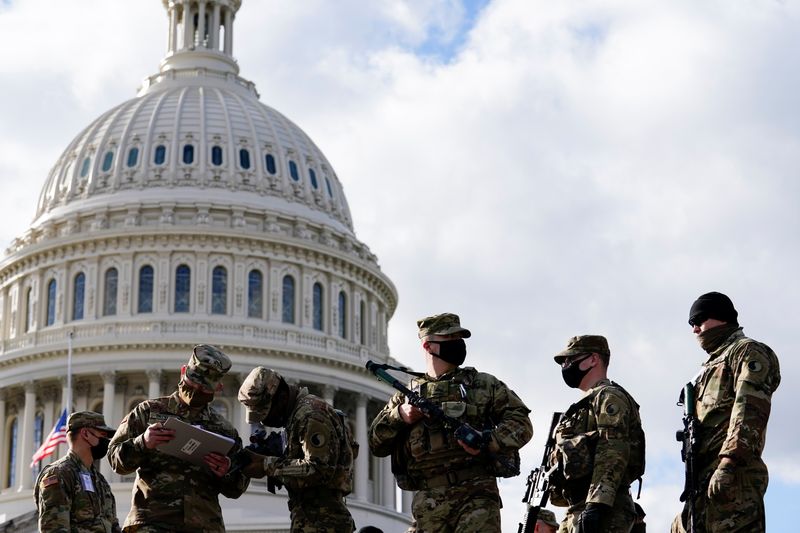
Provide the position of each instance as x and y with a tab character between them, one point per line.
68	400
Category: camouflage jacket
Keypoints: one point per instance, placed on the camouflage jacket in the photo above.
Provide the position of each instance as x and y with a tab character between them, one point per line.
170	492
427	450
74	499
599	447
319	451
733	395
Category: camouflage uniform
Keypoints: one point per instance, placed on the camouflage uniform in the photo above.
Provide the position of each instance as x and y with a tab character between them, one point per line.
733	394
456	491
599	449
317	466
170	495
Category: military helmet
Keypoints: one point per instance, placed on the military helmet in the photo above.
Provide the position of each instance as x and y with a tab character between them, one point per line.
257	392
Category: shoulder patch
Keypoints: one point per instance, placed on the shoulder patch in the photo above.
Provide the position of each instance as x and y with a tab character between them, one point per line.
754	366
317	440
612	409
49	480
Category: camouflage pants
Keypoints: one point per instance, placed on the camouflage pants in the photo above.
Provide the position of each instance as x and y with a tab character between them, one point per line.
321	516
468	508
620	520
739	509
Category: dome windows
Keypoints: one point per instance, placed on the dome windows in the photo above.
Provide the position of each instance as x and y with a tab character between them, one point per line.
51	303
108	161
313	177
79	288
255	294
110	292
219	291
293	172
342	305
287	307
145	304
328	186
317	307
183	282
133	157
216	156
244	158
85	166
270	163
160	155
188	154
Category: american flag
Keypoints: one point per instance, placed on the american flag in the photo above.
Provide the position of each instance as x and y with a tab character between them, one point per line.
57	436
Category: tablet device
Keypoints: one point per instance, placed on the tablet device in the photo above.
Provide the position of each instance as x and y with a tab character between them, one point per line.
192	443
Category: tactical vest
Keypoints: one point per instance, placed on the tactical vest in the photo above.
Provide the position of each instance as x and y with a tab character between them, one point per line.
431	451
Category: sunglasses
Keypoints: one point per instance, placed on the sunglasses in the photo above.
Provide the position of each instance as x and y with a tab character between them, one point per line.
697	320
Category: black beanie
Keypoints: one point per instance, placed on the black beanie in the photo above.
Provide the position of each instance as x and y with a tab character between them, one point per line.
713	305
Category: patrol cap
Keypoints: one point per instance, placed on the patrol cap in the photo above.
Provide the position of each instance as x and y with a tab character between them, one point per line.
257	392
548	517
583	344
88	419
207	365
443	324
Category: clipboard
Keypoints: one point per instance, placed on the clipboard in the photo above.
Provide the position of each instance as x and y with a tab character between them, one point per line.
192	443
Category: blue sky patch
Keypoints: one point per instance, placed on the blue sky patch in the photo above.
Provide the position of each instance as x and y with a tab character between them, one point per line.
445	49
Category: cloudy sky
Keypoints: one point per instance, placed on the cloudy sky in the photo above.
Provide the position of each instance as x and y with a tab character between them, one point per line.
543	169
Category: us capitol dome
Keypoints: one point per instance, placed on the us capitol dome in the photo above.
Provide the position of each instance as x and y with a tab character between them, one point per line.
192	213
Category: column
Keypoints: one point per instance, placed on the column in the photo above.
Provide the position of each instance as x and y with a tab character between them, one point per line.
109	390
188	29
154	383
26	438
3	467
173	29
328	394
213	35
49	396
362	464
80	396
201	29
387	483
407	497
229	33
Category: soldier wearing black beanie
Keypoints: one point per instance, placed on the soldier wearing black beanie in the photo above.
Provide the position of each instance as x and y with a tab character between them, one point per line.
713	305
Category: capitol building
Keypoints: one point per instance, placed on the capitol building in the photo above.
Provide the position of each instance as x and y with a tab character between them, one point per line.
192	213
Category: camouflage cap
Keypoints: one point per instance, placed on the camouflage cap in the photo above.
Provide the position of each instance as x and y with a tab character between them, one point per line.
257	391
443	324
548	517
583	344
207	365
88	419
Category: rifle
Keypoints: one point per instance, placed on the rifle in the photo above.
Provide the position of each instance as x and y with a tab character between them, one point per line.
538	483
688	438
261	443
478	440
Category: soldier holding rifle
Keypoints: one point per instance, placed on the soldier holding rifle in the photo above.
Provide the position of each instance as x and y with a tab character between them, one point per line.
455	480
729	403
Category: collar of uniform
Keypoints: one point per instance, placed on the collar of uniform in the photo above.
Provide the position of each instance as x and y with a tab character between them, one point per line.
733	337
602	383
72	456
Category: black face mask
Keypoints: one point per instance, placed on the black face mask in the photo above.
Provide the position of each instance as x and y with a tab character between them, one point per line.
453	351
100	451
573	375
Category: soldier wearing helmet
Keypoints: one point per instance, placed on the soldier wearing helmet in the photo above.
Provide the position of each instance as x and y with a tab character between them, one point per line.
171	495
317	465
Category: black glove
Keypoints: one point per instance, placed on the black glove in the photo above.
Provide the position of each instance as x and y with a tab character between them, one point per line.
592	518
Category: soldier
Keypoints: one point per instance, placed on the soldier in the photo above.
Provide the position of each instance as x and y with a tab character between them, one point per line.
546	522
317	466
456	485
599	448
171	495
71	494
733	392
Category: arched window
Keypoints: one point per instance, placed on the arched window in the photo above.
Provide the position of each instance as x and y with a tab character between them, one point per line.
363	307
270	161
328	186
133	157
77	296
160	154
342	315
145	304
183	282
293	171
110	292
313	177
255	291
28	309
288	299
38	436
85	167
216	156
244	158
219	291
317	306
108	159
188	154
51	303
13	436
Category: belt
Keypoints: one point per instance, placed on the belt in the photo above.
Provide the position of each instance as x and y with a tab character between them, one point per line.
454	477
